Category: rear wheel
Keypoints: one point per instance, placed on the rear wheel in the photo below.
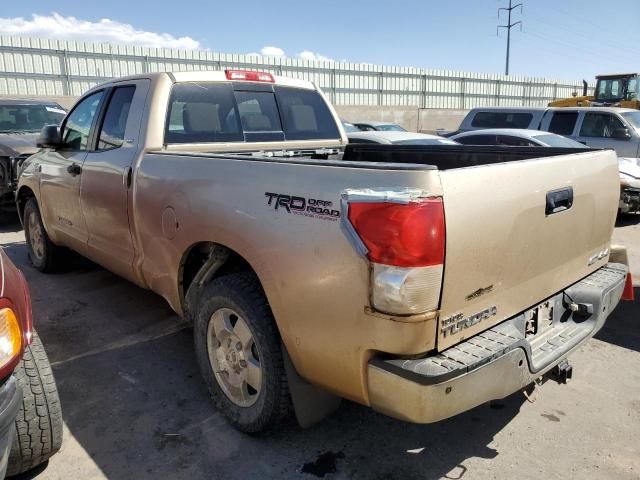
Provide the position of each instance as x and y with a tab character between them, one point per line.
39	422
43	253
239	353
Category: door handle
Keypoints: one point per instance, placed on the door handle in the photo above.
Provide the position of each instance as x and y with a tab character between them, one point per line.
126	177
559	200
74	169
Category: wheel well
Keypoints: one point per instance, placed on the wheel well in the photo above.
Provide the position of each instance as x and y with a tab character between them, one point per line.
219	260
24	194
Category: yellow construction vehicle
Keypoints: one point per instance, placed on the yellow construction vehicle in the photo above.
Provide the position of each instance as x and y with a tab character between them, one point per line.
620	90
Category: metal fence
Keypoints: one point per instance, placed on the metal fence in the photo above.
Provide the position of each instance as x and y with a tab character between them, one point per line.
45	67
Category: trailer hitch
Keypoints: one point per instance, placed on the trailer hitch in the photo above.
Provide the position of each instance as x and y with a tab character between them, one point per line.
563	372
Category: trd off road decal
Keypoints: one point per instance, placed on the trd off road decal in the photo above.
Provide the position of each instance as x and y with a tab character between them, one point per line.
309	207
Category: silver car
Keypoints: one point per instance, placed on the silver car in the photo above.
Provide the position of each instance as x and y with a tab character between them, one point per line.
515	137
398	138
379	126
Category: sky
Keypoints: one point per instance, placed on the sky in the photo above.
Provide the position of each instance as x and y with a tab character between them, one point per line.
560	39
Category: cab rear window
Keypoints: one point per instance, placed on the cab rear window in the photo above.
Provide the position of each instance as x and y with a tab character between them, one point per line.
203	112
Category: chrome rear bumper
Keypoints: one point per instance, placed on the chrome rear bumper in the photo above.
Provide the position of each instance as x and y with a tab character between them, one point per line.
498	361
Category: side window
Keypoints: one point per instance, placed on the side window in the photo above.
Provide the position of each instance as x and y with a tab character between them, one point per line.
632	88
477	140
75	132
511	141
599	125
563	123
502	120
115	120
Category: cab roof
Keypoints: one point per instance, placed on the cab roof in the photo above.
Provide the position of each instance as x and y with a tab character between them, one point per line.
210	76
617	75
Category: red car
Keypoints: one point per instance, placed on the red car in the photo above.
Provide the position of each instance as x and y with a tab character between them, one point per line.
30	414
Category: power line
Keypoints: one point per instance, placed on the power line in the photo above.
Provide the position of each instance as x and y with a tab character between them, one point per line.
548	46
576	49
601	43
509	26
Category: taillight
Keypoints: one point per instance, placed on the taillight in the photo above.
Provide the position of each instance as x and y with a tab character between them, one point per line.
402	235
10	339
627	293
249	76
405	241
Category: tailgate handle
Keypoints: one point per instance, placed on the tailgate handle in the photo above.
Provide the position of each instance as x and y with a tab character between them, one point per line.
559	200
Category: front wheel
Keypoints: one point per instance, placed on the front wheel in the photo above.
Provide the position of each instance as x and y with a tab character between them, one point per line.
43	253
239	353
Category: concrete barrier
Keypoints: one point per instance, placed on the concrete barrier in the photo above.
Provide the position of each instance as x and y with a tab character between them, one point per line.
433	119
414	119
406	117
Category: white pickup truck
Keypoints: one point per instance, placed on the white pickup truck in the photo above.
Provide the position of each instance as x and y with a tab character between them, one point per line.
421	281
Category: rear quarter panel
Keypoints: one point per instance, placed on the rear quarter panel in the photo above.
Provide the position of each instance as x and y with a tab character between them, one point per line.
316	283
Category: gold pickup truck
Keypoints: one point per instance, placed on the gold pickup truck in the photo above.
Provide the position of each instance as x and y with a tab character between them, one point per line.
421	281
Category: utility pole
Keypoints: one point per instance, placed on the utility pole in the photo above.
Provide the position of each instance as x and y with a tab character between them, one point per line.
509	26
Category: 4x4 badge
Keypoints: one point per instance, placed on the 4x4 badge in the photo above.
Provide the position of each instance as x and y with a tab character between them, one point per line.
478	292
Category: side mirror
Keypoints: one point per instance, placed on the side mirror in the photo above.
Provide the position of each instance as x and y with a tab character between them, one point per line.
49	137
621	134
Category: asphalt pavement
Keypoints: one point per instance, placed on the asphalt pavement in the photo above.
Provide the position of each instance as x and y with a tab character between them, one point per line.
135	408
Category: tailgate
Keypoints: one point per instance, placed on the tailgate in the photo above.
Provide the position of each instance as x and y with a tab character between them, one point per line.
504	252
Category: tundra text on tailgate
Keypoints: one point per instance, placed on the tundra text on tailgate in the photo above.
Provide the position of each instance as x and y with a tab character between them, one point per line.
421	281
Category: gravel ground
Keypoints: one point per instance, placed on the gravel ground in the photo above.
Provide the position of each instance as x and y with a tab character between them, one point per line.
134	405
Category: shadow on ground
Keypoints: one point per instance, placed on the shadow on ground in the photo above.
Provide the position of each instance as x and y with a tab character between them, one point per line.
133	399
623	326
627	219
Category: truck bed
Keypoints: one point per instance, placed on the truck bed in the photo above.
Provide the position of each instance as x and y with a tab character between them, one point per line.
451	156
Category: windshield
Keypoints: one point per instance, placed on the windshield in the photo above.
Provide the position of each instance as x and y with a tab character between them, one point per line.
633	118
614	89
391	127
21	118
558	141
350	127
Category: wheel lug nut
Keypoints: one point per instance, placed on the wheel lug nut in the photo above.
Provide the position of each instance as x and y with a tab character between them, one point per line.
243	363
239	346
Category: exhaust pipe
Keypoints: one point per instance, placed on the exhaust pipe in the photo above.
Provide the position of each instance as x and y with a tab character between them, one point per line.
585	87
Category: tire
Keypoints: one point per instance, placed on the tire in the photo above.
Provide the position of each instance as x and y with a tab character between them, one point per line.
43	253
39	422
249	409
